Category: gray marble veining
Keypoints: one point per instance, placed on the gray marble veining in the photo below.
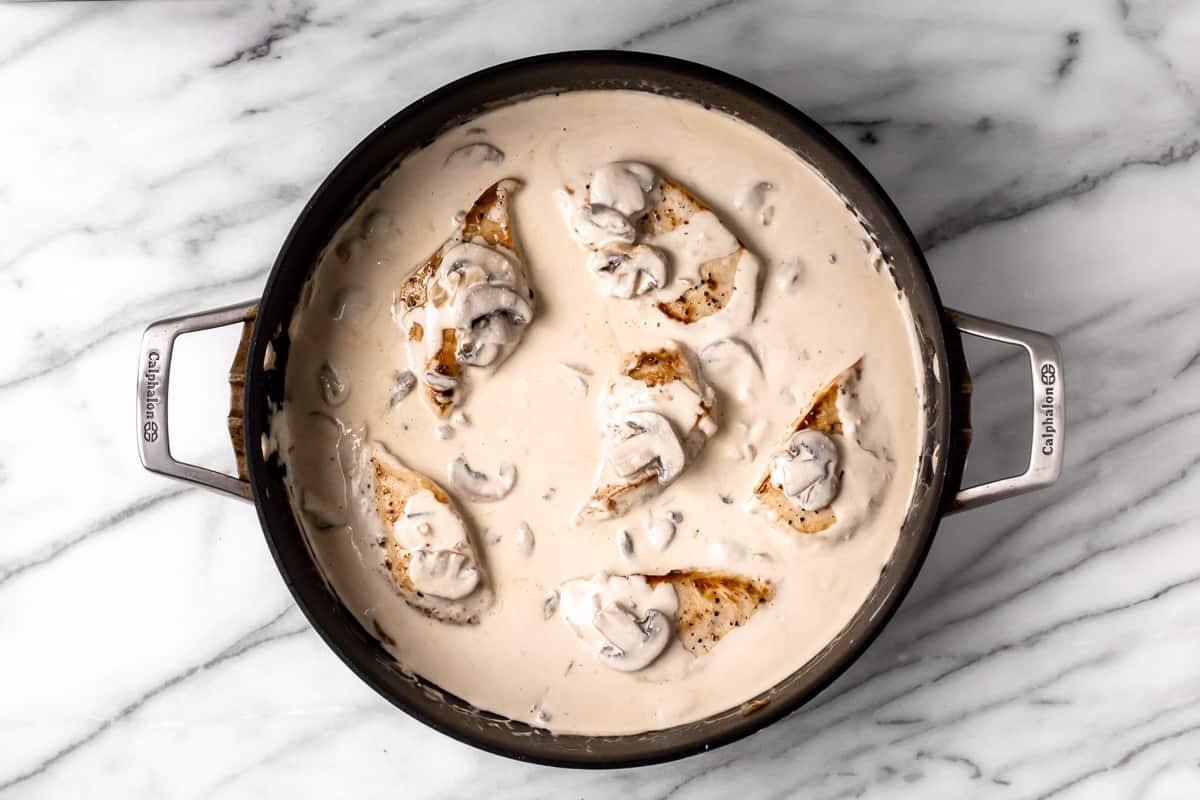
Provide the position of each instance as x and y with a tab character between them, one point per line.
153	156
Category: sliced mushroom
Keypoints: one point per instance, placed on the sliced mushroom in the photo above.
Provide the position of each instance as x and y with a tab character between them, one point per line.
625	544
624	621
633	643
622	185
475	153
754	196
659	532
480	486
443	573
730	351
427	522
402	387
550	605
440	382
483	349
523	538
596	225
731	365
628	271
334	390
489	317
464	257
807	471
789	275
652	445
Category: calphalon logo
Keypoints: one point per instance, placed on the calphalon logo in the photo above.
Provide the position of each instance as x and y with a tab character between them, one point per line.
151	377
1046	408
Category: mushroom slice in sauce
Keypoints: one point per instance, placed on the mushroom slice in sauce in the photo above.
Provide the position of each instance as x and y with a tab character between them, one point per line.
475	154
425	546
447	574
753	197
660	530
730	355
623	186
650	444
523	538
625	622
493	316
657	415
595	225
626	271
402	387
807	511
550	605
469	303
733	368
634	643
480	486
334	390
806	469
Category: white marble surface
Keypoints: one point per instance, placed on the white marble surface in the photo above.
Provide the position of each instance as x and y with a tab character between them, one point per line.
152	157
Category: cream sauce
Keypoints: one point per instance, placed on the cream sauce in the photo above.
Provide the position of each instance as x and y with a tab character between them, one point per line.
535	654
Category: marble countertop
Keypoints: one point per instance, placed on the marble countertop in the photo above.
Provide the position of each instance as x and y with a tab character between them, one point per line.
152	158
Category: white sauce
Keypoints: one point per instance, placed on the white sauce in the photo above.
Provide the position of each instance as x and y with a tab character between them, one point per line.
538	653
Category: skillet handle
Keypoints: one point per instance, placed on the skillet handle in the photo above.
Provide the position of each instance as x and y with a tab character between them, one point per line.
1049	422
154	372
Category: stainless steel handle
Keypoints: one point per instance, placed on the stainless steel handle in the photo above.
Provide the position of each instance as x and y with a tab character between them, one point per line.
154	374
1049	421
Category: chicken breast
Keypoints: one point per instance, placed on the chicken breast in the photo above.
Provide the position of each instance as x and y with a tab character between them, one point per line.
651	240
674	208
628	621
425	545
656	416
712	604
468	304
821	415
